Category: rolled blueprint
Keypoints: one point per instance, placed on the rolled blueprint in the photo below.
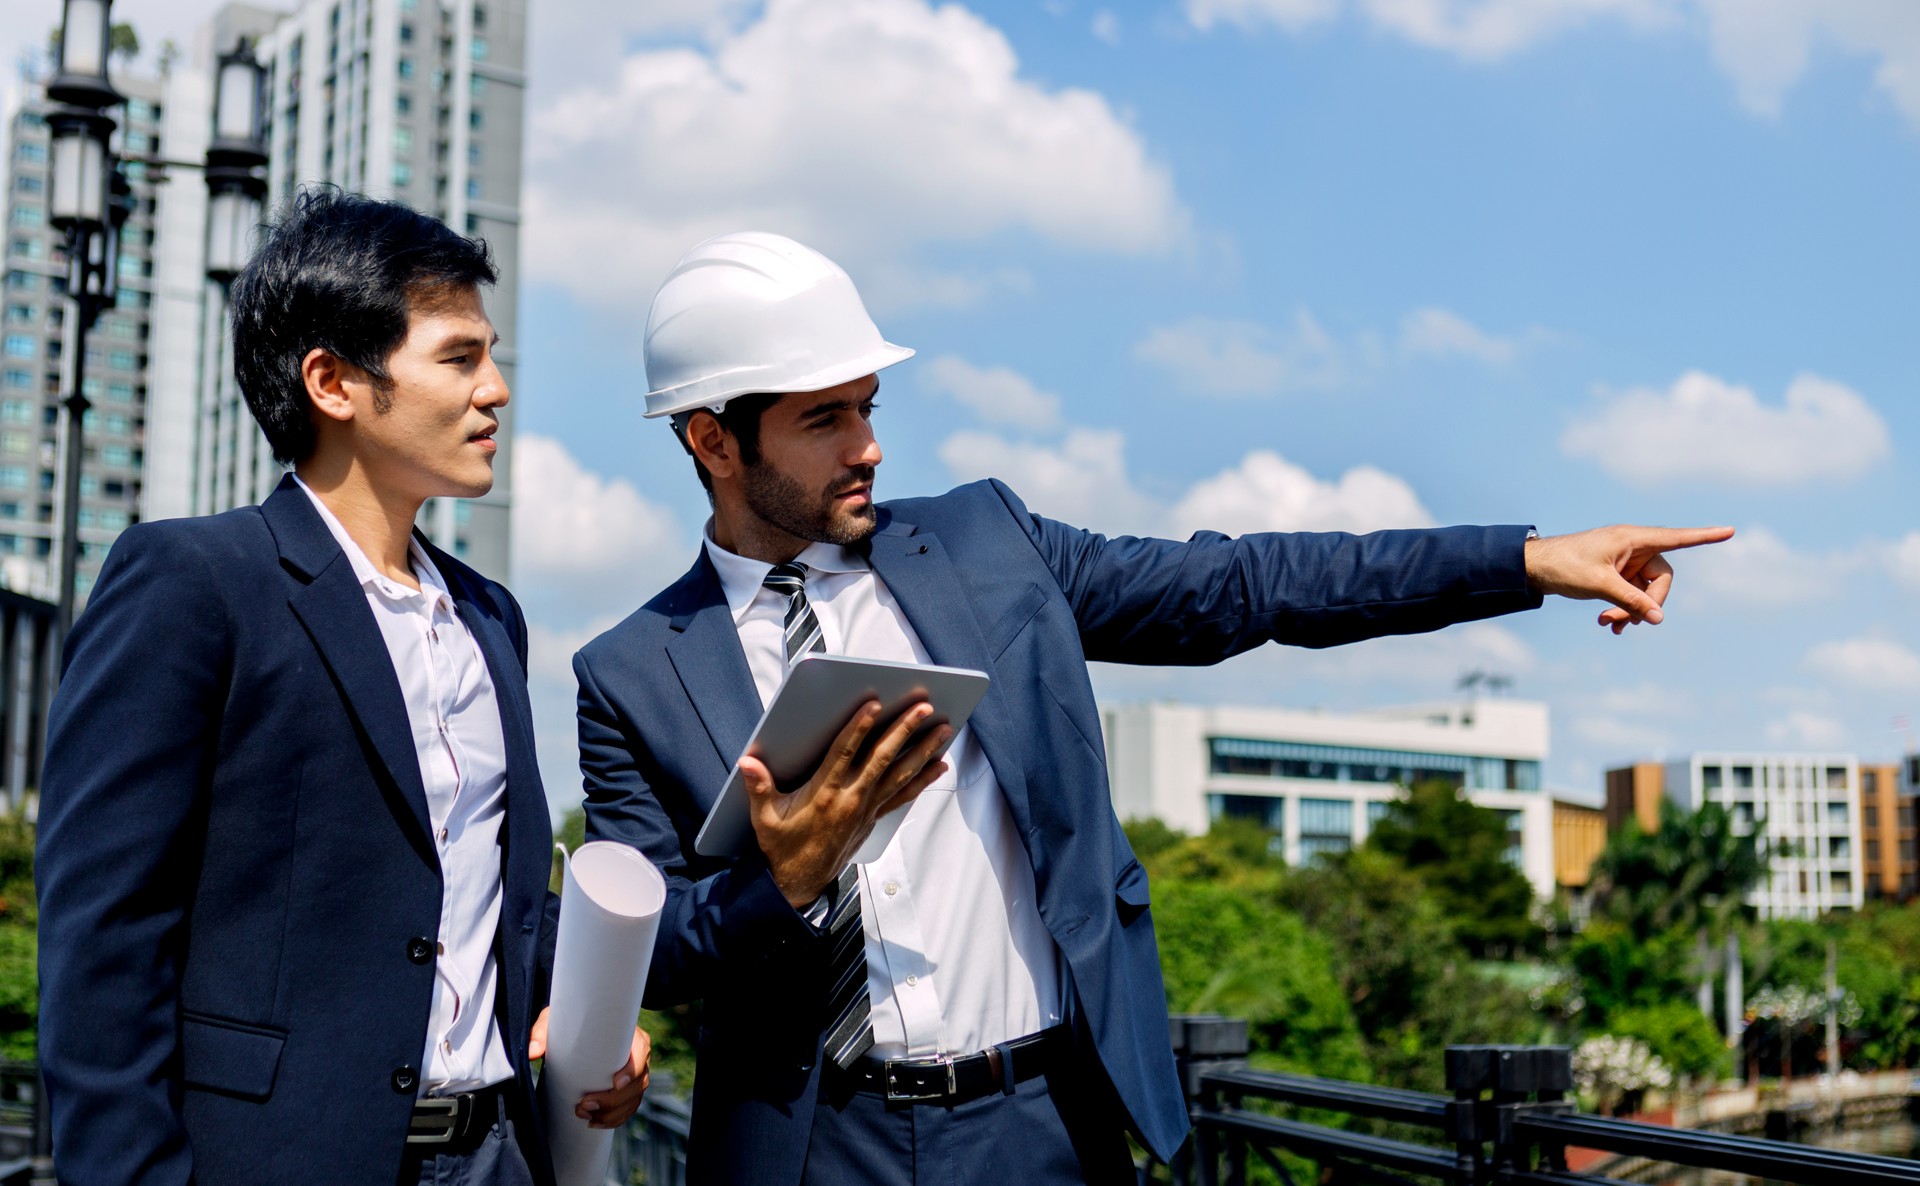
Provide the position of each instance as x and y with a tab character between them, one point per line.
609	911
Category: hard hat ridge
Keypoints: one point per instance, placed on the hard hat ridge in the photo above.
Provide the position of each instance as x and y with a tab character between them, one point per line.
754	312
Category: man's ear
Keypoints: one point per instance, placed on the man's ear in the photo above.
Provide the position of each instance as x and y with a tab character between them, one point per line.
713	445
331	383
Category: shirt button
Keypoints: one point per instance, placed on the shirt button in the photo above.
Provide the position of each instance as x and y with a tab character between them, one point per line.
446	1046
893	887
443	835
912	980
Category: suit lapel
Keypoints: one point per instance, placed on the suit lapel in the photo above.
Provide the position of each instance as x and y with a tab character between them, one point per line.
706	655
928	588
333	608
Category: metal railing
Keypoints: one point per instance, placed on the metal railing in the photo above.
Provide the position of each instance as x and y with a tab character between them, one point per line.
1506	1122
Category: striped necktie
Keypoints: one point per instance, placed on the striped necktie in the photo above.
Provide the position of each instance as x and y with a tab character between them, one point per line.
803	628
851	1033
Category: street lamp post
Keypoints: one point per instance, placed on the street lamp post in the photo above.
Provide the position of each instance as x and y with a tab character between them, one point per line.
235	193
85	202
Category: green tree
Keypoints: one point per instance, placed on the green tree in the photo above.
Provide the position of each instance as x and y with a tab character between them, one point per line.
1622	971
1682	1036
1694	870
1461	852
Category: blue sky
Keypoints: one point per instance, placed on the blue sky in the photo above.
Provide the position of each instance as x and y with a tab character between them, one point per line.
1299	264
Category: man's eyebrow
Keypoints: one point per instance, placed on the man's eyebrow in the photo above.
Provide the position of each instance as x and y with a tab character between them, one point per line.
838	405
460	341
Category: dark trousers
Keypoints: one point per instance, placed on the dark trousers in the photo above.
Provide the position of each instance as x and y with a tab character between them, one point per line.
1054	1130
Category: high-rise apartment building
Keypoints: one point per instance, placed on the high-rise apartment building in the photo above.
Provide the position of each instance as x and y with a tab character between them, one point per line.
35	368
1887	833
1320	780
416	100
1805	807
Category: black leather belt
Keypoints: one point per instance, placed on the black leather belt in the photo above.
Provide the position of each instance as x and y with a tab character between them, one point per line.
455	1123
948	1081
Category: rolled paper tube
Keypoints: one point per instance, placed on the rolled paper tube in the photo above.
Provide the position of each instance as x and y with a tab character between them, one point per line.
610	908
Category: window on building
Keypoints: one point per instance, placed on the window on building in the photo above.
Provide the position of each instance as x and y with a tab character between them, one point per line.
1268	811
402	141
22	346
474	189
406	32
22	314
1710	778
476	86
116	423
1839	848
25	247
1873	850
30	151
18	411
403	103
1842	881
18	378
120	393
479	16
406	67
1326	826
13	477
1837	814
1743	777
28	216
480	49
123	359
1836	778
473	153
476	119
16	442
27	183
116	455
1870	816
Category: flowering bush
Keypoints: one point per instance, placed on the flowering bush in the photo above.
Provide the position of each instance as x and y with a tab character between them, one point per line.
1608	1068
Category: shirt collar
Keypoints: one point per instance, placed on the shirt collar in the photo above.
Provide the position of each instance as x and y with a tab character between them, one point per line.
433	587
741	579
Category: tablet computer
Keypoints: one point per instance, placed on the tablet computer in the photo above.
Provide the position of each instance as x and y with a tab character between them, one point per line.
815	702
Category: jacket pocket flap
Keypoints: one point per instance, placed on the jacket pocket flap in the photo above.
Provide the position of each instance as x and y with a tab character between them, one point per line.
1130	887
230	1057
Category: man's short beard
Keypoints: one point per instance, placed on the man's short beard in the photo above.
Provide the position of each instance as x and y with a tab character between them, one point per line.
779	500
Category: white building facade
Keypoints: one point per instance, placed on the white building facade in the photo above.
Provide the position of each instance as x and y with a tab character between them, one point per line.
1805	807
420	101
1319	780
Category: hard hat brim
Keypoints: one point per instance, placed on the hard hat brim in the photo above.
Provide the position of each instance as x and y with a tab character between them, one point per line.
713	391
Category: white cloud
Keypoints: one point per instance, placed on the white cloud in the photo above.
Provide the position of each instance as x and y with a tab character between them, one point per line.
1706	429
1442	333
997	395
1218	356
1291	15
1867	662
1902	559
1757	567
867	128
1812	729
1106	26
1082	481
1763	46
582	543
1621	737
1266	492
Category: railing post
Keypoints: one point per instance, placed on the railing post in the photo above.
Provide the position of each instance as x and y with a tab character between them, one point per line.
1204	1042
1527	1079
1469	1073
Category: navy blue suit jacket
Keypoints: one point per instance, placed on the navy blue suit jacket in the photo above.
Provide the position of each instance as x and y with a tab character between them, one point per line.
667	704
234	855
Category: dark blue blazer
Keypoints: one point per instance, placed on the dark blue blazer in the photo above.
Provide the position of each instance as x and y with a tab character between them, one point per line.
667	704
235	857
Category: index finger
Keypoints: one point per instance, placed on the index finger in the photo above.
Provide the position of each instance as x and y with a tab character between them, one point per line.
1669	539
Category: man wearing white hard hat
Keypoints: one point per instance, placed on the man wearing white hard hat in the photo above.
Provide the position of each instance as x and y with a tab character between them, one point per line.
986	994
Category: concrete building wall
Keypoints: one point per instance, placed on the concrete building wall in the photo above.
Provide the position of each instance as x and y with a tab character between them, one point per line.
1634	792
1579	836
1319	780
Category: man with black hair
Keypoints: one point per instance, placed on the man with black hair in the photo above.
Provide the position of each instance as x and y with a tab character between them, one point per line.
294	848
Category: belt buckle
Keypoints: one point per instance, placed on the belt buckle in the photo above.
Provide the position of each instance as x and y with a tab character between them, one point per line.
436	1119
894	1094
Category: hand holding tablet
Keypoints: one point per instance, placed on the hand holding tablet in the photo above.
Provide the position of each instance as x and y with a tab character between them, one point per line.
842	749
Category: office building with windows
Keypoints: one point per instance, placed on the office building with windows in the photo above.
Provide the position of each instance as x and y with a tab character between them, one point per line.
35	370
1805	807
1319	780
416	100
1888	826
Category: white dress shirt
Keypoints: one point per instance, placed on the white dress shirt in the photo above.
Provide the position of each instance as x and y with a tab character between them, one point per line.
957	957
457	737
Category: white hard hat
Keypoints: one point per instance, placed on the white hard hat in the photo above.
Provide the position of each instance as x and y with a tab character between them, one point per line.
751	313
